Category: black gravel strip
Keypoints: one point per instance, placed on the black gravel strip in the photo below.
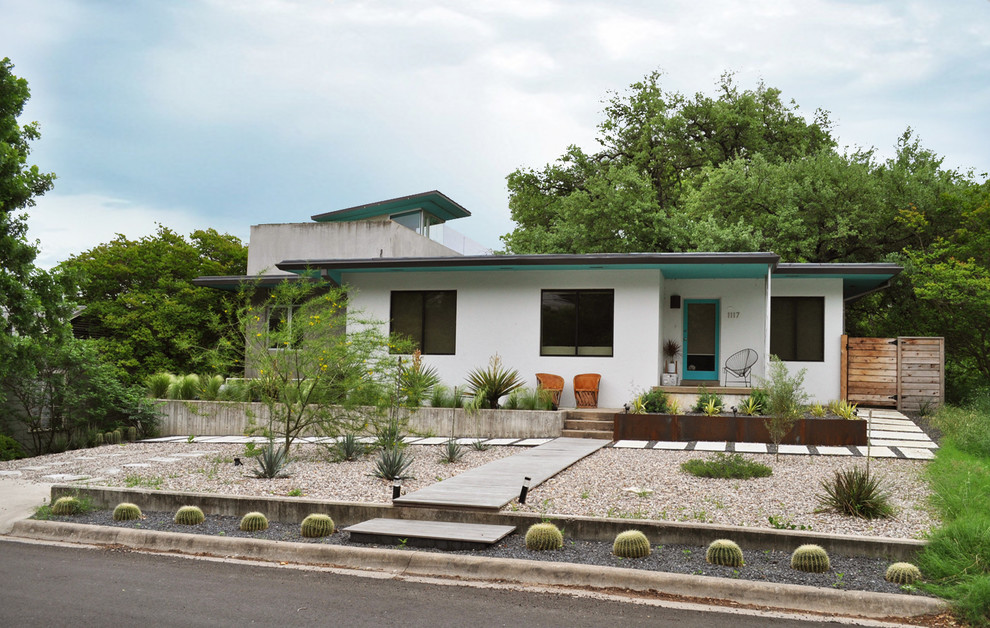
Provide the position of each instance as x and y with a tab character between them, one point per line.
848	573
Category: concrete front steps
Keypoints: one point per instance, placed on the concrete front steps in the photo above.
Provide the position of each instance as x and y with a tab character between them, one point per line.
589	423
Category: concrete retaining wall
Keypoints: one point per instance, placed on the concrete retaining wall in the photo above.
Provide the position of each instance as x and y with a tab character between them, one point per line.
229	418
295	509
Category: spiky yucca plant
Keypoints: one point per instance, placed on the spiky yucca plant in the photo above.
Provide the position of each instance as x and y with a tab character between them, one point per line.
189	516
254	522
66	506
810	558
631	544
316	525
902	573
126	511
488	385
544	536
724	552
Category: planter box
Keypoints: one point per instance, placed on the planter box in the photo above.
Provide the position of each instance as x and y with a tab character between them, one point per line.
740	429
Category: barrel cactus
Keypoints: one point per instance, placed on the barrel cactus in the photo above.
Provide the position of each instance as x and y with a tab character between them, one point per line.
724	552
631	544
131	433
189	516
810	558
117	437
544	536
97	439
902	573
254	522
126	512
108	438
66	506
316	525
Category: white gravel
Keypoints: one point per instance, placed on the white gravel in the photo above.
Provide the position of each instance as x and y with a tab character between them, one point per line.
593	487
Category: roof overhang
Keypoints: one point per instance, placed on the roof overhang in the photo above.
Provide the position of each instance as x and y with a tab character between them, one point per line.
434	203
858	280
234	283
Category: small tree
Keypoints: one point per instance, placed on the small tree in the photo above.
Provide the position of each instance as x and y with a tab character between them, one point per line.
319	365
785	401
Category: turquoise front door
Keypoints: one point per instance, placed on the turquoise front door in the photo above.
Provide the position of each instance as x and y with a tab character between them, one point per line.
701	339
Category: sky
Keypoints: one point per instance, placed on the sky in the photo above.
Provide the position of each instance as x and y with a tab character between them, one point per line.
228	113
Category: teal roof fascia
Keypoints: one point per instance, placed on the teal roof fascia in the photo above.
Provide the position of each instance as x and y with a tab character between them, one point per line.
857	279
434	203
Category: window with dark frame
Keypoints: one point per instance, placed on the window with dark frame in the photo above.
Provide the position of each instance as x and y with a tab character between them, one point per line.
797	328
428	317
577	322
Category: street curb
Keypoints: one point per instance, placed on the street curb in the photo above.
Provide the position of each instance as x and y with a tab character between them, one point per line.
413	563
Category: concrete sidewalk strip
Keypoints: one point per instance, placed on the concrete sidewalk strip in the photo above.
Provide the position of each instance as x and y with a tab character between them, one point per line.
531	442
501	441
413	563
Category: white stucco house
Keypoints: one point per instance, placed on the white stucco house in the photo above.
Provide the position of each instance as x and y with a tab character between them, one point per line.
570	314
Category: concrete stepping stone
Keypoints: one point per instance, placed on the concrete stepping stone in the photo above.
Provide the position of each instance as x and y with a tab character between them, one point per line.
630	444
10	474
898	435
501	441
829	450
136	465
163	459
900	426
191	454
876	452
86	458
531	442
43	468
751	448
65	477
710	445
433	440
164	439
904	443
439	534
793	449
111	471
670	444
917	454
468	441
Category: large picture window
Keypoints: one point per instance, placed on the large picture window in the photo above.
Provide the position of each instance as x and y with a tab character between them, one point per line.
577	322
428	317
797	328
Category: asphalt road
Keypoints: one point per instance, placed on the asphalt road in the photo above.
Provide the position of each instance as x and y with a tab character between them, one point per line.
46	586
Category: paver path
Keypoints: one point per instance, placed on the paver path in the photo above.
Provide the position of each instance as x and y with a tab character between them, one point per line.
495	484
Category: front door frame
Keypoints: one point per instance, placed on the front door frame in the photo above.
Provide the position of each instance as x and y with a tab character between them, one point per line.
702	375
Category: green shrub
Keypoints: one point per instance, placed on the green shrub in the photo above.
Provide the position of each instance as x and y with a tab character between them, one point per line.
544	536
184	387
902	573
316	525
631	544
10	449
271	461
65	506
655	401
189	516
785	400
158	385
126	512
856	492
348	448
705	398
234	390
731	466
452	452
209	387
810	558
254	522
724	552
441	397
392	463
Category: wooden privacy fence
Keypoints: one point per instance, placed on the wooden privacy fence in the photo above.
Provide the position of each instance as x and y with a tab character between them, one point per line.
906	373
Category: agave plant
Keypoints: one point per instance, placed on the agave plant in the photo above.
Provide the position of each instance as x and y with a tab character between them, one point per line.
416	381
491	384
392	463
271	461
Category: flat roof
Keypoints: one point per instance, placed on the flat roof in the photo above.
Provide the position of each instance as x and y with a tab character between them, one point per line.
433	202
857	279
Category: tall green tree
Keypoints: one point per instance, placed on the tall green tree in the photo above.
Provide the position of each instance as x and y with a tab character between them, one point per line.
141	306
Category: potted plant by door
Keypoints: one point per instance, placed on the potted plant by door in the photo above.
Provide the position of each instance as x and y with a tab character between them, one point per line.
671	349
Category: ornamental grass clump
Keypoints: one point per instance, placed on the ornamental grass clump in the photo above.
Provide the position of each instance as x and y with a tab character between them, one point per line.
544	536
731	466
158	385
254	522
316	525
126	511
64	506
902	573
810	558
856	492
724	552
631	544
189	516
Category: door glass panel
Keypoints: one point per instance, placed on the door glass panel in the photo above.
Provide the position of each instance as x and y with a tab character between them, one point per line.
701	319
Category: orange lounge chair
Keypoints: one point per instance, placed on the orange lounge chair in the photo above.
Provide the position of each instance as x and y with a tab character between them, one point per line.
554	384
586	390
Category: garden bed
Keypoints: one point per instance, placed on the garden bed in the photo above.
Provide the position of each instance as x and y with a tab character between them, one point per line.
740	429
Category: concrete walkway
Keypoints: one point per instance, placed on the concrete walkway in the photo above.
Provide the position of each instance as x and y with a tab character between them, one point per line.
495	484
18	499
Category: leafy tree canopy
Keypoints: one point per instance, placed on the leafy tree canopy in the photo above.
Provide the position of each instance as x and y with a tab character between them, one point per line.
141	305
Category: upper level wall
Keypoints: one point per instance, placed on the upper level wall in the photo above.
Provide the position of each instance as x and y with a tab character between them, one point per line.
273	243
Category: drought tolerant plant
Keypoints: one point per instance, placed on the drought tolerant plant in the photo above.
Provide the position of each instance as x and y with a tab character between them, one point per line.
126	511
728	466
316	525
452	452
348	448
10	449
750	406
856	492
254	522
705	398
544	536
655	401
488	385
636	406
66	506
189	516
392	463
184	387
785	401
529	399
902	573
96	439
158	385
271	461
817	410
388	434
810	558
416	381
480	445
130	432
711	409
673	406
441	397
209	387
631	544
724	552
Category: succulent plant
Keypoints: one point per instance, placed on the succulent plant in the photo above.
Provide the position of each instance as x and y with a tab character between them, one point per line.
66	506
316	525
131	433
97	439
902	573
631	544
117	437
724	552
544	536
126	511
254	522
189	516
810	558
108	438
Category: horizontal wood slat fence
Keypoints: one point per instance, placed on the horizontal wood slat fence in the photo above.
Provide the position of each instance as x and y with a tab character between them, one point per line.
904	373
